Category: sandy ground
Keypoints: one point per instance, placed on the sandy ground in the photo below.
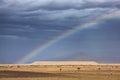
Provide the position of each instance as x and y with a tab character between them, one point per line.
59	72
79	75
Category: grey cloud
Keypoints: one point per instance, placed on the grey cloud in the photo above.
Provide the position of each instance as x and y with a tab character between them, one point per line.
19	37
58	4
31	25
33	17
9	36
77	4
52	30
41	8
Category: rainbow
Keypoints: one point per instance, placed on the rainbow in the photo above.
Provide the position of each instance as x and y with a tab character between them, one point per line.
68	33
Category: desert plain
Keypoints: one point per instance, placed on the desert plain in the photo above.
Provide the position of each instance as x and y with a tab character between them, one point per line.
60	70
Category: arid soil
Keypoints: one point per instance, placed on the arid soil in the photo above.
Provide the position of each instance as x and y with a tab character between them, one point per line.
80	75
59	72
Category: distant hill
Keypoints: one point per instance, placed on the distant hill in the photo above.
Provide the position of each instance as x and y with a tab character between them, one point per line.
65	63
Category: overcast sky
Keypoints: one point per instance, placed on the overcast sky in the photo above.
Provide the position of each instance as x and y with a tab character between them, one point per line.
28	24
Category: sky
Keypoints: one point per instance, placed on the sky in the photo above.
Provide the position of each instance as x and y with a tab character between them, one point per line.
28	24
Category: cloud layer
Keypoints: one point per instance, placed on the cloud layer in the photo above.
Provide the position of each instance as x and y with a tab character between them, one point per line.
36	16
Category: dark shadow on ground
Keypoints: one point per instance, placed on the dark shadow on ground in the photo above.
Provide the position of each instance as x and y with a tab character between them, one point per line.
28	74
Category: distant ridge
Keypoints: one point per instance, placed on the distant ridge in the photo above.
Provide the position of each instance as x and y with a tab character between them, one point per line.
65	63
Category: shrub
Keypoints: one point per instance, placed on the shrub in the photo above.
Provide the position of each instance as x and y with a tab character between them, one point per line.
78	68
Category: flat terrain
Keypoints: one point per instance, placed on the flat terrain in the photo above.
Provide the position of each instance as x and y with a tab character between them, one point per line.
81	75
59	72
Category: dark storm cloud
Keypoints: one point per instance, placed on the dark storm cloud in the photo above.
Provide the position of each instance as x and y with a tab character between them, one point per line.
54	5
34	17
